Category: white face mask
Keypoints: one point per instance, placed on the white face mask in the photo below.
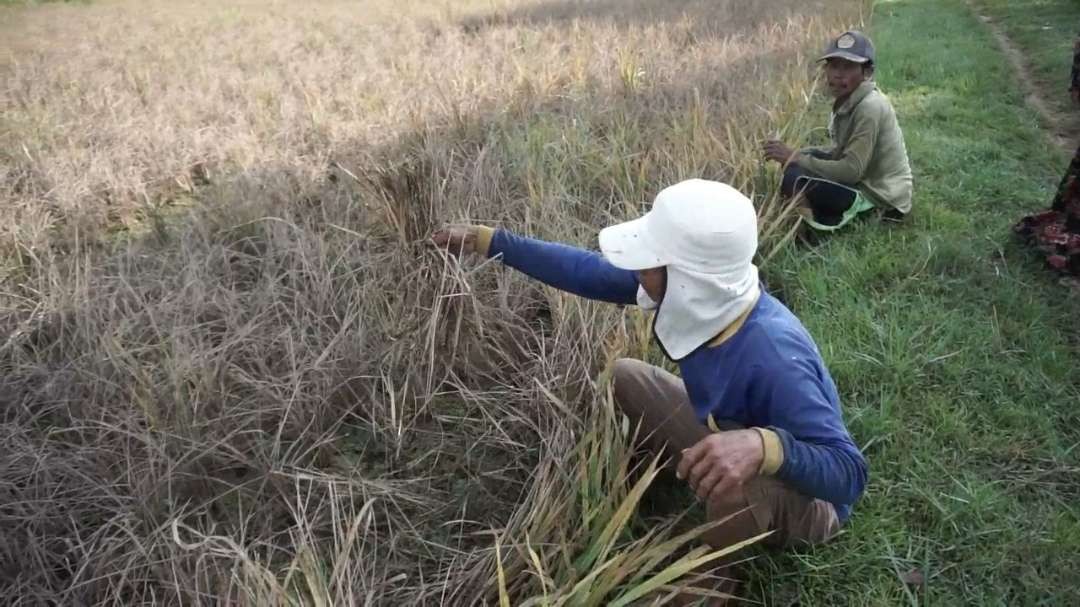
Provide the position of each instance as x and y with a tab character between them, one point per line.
644	301
697	307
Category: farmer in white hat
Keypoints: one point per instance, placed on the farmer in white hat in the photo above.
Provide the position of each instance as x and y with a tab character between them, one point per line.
754	423
867	165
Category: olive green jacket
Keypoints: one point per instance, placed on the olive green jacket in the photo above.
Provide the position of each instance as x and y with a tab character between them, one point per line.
869	152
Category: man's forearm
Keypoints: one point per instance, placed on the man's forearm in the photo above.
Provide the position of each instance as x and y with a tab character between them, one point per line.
578	271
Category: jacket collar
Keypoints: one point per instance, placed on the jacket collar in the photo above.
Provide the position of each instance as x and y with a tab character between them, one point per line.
856	97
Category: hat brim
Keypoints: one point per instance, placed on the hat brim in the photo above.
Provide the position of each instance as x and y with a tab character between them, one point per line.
844	55
629	246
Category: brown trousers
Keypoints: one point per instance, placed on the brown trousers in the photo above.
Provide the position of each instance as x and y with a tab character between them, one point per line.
656	402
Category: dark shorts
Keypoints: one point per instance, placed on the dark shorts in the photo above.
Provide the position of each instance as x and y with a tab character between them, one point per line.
827	199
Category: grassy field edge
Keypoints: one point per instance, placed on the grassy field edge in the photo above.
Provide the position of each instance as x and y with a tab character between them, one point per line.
955	350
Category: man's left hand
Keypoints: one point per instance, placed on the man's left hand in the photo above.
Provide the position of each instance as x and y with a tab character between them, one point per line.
778	151
721	462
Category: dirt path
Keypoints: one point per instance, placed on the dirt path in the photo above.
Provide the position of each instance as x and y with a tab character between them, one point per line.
1063	129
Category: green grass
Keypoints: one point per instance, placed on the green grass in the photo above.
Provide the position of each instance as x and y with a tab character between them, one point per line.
1044	30
955	350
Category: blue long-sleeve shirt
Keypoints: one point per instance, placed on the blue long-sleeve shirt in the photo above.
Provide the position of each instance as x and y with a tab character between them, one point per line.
769	374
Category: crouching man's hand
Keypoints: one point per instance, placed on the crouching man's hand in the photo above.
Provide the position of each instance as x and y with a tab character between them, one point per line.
778	151
721	462
463	239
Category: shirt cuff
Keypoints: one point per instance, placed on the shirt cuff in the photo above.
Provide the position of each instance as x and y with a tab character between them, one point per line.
774	452
484	235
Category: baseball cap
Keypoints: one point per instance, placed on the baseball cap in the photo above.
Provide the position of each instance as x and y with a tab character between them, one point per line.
851	45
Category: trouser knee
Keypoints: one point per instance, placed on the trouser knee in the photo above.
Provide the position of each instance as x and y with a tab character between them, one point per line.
627	378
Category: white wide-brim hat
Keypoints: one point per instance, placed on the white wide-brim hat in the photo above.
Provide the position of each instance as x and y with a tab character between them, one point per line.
699	225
